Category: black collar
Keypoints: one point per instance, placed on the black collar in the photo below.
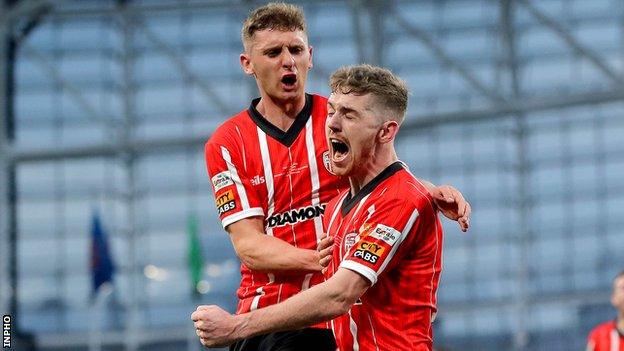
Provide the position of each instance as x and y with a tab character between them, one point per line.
285	137
349	201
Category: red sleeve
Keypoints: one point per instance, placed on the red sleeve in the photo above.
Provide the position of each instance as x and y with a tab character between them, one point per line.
392	224
591	340
235	197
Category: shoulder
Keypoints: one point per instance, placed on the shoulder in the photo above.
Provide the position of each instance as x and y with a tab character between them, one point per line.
319	104
319	98
335	201
231	130
602	328
405	191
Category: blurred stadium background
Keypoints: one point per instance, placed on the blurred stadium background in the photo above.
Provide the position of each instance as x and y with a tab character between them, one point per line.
106	105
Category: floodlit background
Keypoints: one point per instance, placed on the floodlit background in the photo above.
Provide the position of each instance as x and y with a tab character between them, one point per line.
106	106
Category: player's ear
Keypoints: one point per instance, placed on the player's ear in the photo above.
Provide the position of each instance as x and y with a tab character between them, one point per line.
388	131
310	64
246	65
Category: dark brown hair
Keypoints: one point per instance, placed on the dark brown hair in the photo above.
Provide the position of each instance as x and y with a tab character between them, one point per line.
389	90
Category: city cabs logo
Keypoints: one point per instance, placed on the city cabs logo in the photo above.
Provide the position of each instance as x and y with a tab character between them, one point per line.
368	251
225	202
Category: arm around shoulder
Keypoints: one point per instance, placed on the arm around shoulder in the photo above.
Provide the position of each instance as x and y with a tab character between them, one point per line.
261	252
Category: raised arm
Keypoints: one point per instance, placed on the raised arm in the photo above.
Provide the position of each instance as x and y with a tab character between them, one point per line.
217	328
261	252
451	203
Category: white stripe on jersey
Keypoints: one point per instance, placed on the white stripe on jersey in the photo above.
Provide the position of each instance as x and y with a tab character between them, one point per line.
290	187
360	205
353	328
370	322
240	135
395	247
306	282
314	177
268	180
615	340
336	210
256	299
268	174
239	185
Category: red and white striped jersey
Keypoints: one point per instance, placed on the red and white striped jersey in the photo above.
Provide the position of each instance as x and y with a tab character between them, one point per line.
606	337
389	233
259	170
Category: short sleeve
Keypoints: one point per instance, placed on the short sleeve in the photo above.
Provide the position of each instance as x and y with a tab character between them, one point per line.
391	224
593	339
235	198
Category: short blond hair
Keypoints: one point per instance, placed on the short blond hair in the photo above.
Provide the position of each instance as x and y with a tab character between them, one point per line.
389	90
274	15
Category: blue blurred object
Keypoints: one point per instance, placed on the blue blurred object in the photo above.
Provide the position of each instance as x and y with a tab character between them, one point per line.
102	267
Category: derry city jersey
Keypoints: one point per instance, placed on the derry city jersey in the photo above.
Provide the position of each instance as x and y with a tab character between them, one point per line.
259	170
606	337
390	234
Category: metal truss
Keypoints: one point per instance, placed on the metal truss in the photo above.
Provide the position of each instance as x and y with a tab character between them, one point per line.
5	286
54	73
523	236
579	48
416	123
437	50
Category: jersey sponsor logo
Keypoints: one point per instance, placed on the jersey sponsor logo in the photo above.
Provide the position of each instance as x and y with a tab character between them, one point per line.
368	251
385	233
221	180
257	180
225	202
295	216
371	247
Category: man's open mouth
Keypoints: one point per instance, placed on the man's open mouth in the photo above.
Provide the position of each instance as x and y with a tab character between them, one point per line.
340	149
289	79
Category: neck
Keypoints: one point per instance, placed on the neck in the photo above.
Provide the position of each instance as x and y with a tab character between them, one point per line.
619	324
382	157
281	113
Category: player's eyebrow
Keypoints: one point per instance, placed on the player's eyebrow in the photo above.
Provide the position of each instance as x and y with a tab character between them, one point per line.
343	109
273	47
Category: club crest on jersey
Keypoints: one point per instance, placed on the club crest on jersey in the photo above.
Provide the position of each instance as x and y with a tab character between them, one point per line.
385	233
365	229
349	240
326	162
225	202
368	251
294	216
221	180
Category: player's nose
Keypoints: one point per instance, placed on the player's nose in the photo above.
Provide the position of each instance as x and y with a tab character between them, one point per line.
333	123
288	60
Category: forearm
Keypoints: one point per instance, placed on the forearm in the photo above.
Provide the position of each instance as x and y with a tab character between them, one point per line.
320	303
274	255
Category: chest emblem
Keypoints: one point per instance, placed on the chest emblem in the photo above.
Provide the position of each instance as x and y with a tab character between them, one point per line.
349	240
326	162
